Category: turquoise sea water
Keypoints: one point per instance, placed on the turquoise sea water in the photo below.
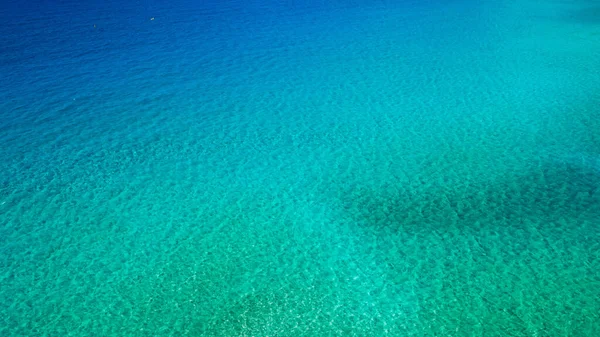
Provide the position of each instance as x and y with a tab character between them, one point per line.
287	168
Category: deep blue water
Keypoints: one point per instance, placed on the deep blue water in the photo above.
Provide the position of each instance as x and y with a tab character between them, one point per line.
283	168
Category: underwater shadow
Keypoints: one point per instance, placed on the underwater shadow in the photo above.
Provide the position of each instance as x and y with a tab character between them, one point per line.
550	191
587	15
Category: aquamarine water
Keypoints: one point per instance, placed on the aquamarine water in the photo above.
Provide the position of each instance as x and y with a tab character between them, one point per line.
300	168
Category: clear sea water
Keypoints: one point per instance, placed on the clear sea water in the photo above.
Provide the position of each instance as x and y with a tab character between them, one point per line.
300	168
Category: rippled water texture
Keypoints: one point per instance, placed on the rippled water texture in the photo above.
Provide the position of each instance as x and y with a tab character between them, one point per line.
300	168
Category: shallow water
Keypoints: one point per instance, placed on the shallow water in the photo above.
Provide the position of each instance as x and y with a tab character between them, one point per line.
289	169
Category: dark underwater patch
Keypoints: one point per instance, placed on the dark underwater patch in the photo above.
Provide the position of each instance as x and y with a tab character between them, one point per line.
550	191
585	15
